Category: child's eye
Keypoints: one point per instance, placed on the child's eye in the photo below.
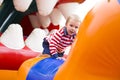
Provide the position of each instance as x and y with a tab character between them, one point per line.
71	25
76	27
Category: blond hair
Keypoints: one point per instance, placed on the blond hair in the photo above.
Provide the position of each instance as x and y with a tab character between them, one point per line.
73	17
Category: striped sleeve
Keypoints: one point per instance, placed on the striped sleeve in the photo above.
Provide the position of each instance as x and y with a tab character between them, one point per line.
56	38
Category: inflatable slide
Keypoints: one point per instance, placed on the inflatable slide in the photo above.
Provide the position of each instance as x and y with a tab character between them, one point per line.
93	56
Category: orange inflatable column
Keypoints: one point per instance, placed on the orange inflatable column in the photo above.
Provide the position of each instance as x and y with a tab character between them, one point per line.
95	55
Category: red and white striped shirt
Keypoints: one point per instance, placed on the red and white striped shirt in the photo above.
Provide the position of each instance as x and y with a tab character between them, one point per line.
59	40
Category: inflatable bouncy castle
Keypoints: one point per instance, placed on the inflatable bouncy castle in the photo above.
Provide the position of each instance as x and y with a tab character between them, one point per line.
93	56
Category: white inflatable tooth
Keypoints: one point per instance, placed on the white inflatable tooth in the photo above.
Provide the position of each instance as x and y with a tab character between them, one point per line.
68	9
57	17
1	1
86	6
22	5
35	39
44	20
45	7
13	37
46	31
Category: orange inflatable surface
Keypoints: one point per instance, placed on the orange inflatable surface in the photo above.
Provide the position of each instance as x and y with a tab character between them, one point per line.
95	54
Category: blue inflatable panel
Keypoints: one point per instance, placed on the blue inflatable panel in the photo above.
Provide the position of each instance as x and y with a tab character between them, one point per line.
44	69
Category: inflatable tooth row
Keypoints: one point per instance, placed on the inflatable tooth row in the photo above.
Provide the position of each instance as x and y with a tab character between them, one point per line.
93	56
45	11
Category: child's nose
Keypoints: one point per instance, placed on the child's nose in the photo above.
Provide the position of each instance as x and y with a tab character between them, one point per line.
73	28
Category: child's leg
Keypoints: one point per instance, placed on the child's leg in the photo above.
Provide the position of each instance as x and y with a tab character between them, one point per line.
61	54
46	49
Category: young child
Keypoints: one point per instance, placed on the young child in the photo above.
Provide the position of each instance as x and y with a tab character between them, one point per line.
56	43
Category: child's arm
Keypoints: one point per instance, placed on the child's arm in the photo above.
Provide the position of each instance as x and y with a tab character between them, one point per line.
54	42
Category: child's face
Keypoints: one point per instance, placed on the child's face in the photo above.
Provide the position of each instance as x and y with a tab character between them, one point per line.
72	27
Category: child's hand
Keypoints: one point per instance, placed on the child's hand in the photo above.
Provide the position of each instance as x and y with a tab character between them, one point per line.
61	58
54	56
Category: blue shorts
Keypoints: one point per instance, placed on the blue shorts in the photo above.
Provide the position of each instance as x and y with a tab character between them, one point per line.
45	45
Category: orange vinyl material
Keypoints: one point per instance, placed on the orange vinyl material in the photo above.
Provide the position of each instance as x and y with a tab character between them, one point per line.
26	66
95	55
8	74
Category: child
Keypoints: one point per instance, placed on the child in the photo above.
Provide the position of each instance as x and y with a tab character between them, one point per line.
56	43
